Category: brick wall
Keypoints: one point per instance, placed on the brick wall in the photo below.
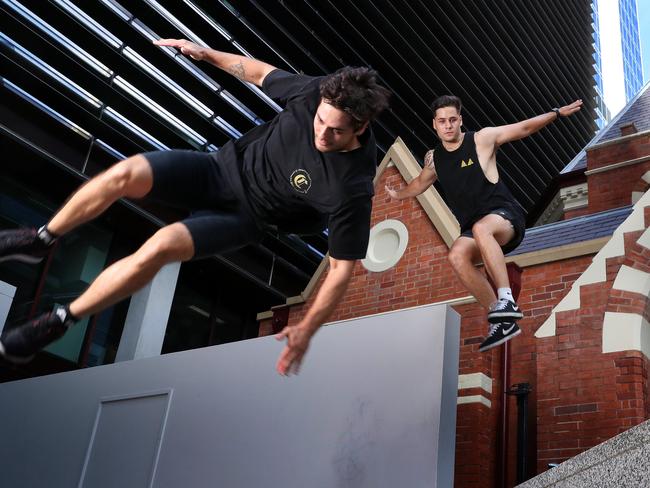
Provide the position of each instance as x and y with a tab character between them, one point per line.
587	396
543	286
476	423
578	212
613	189
631	148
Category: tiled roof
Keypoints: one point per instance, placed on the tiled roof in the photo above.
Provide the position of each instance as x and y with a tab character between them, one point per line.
570	231
637	110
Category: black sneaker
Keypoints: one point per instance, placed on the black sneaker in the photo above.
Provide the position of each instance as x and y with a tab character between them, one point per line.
20	344
498	334
24	245
504	310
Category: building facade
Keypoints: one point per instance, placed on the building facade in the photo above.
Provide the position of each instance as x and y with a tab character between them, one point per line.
617	56
581	363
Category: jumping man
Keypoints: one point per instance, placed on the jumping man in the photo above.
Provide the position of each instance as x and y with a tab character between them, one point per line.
491	222
310	167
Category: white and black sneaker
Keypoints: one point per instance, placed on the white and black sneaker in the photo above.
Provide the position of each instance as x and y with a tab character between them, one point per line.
498	334
504	310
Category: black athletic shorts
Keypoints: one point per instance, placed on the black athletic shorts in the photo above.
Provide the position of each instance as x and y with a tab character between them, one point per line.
196	181
518	224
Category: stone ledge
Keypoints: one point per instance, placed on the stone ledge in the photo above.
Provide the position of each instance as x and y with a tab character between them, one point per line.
620	461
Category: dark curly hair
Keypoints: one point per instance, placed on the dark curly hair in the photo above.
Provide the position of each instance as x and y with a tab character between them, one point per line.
446	101
356	92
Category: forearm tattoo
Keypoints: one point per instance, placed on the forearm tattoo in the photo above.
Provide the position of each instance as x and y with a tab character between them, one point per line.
237	70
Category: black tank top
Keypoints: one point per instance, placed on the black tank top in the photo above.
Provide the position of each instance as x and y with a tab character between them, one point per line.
467	192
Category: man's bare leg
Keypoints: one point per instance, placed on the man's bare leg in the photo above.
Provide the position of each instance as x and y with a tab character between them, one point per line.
172	243
490	233
130	178
463	256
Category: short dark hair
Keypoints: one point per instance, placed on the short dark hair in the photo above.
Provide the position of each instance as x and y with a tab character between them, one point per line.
446	101
356	92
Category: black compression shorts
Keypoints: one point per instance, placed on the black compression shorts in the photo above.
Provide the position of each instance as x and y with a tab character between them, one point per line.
195	181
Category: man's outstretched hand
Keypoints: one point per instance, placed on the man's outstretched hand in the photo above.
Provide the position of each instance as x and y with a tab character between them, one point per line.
571	108
186	47
291	357
392	192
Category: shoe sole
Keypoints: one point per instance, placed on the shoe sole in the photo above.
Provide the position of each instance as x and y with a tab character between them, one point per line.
23	258
496	317
498	343
14	359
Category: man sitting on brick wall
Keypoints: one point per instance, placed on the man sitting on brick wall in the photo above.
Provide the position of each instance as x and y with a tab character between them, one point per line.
492	224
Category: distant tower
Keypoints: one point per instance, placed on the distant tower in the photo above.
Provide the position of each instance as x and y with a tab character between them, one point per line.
617	56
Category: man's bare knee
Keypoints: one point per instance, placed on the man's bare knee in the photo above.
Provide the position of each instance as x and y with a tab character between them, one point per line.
458	257
481	230
170	244
129	178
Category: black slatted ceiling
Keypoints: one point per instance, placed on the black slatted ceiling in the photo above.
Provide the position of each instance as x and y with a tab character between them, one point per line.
506	63
92	140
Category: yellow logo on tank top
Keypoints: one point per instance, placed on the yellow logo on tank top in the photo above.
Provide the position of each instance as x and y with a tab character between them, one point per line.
464	164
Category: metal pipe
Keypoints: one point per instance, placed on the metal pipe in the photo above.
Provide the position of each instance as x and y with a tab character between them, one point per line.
502	480
521	391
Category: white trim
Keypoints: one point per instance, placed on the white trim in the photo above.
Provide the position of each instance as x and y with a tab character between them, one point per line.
622	164
474	399
596	272
644	240
475	380
636	196
386	245
626	332
634	280
610	142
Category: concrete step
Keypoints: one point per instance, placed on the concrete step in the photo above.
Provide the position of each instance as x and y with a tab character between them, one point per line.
622	461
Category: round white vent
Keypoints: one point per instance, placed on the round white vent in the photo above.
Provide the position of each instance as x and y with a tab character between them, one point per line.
388	240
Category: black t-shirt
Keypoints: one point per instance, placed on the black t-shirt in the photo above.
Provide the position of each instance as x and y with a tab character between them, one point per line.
288	183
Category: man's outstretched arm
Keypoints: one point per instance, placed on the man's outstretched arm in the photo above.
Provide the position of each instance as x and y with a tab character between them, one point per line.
246	69
420	183
507	133
299	335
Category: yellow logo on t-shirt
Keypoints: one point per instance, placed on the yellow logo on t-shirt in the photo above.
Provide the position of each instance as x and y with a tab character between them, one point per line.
464	164
300	180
